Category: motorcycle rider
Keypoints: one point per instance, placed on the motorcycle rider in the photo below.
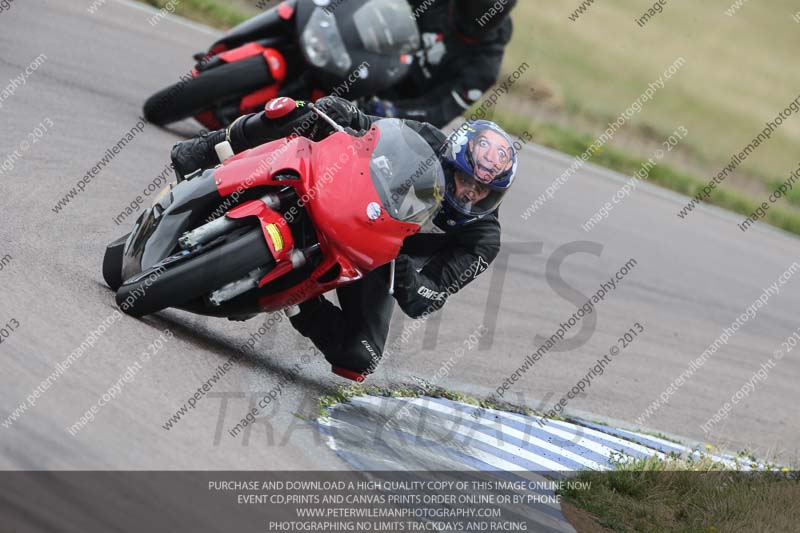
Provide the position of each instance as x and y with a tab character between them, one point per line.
464	238
463	42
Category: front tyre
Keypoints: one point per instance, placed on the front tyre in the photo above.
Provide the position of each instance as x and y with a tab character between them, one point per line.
112	263
177	283
211	87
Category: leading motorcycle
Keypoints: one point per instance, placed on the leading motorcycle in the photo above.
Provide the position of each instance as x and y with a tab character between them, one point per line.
302	49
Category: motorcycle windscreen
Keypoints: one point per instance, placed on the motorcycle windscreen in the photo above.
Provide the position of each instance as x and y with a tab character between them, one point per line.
386	28
360	47
406	173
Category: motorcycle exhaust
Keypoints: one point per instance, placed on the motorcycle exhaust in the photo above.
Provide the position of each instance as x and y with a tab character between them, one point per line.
220	226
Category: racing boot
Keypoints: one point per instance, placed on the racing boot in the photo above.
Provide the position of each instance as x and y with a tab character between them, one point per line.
323	323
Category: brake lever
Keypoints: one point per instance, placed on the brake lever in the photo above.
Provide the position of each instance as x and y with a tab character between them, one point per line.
325	117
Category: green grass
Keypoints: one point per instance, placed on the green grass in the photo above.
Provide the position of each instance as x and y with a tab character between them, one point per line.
215	13
695	494
573	143
343	395
737	73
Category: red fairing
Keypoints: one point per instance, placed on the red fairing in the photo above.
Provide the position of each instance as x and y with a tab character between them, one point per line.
285	11
242	52
276	62
217	50
276	231
253	101
209	120
335	188
277	66
316	94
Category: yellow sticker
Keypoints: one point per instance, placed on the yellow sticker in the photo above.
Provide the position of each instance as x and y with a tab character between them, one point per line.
437	193
275	235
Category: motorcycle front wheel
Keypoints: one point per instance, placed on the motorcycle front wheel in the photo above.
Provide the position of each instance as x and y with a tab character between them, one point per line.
178	282
211	87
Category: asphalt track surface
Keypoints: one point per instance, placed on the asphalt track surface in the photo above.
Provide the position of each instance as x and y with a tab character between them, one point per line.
693	278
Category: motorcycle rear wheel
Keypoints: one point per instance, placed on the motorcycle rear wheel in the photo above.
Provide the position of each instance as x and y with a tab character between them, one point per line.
214	86
186	280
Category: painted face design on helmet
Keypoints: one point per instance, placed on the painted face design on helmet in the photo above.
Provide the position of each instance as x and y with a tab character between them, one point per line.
481	163
491	154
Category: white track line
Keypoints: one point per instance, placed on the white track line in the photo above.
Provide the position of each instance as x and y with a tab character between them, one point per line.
497	443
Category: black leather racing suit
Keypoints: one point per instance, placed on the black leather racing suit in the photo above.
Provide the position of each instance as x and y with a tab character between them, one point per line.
431	265
451	72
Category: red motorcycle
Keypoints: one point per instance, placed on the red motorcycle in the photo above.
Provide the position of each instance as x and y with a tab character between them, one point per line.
303	49
278	224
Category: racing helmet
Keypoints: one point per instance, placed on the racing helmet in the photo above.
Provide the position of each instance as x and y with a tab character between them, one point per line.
475	18
480	162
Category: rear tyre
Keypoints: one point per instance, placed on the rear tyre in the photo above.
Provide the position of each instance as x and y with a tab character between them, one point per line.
191	97
183	281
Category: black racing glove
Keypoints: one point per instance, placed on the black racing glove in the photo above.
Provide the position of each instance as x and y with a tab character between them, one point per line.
197	153
340	110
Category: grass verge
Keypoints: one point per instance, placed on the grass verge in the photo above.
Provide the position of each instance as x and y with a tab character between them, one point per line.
214	13
573	143
688	495
343	395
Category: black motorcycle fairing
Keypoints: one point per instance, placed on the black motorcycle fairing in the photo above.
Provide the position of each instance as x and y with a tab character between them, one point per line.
379	37
157	230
